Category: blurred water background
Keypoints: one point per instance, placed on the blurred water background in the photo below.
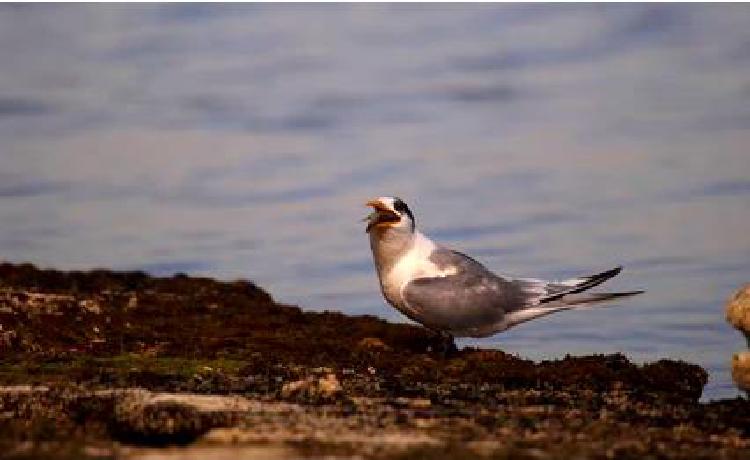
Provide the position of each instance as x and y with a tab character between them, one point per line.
242	141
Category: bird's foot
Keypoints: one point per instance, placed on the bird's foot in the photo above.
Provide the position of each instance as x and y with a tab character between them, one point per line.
444	345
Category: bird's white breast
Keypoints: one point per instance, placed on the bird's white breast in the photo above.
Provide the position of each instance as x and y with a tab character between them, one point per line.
414	263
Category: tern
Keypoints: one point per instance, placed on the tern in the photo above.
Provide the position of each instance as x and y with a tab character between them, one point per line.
452	294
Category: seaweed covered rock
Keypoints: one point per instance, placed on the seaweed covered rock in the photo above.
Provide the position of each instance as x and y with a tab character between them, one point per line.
199	335
129	358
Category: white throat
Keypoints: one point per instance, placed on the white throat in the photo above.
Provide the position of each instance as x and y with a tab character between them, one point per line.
389	245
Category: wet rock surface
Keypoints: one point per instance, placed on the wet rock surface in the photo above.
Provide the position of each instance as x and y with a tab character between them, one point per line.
95	364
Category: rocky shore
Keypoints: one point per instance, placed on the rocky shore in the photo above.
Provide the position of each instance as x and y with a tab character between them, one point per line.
116	365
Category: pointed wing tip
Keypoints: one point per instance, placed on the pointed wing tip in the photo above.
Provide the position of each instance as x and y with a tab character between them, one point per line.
623	294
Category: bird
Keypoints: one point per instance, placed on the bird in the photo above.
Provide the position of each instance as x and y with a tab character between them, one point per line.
454	295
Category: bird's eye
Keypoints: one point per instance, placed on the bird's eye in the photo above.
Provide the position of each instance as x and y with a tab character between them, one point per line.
399	205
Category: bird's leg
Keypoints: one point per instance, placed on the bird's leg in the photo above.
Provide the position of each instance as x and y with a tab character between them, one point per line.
444	344
449	344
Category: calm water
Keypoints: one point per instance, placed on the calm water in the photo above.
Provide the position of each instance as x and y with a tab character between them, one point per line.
242	141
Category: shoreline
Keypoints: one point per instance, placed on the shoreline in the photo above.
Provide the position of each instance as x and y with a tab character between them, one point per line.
118	360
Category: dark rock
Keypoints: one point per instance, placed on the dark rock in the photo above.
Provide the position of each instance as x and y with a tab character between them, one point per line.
83	334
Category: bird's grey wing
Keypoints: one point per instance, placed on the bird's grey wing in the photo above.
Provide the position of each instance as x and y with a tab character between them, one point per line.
469	299
475	302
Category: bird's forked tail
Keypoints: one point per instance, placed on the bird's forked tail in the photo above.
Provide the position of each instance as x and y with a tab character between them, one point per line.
569	294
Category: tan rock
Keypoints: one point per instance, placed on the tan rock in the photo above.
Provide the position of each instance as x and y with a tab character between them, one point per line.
329	385
741	370
738	311
412	403
90	305
326	387
132	303
373	344
420	403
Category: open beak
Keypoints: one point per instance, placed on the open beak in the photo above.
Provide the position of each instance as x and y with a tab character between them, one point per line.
381	214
